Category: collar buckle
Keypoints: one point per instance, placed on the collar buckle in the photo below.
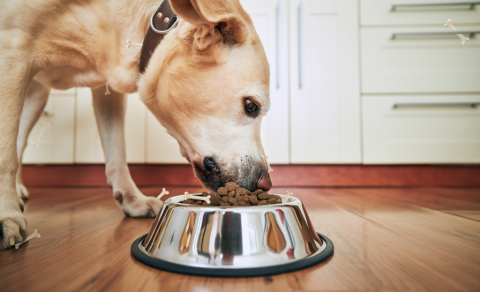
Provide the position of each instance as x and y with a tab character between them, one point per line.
163	31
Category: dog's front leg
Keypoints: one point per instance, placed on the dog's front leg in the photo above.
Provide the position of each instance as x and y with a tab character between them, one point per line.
35	101
15	76
110	115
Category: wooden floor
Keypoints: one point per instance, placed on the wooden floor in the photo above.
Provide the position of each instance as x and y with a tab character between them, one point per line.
399	239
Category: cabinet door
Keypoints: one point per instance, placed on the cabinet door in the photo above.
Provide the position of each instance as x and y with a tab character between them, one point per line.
88	146
421	128
270	18
325	95
56	142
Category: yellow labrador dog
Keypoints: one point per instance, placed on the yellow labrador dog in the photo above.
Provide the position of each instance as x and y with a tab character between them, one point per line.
206	82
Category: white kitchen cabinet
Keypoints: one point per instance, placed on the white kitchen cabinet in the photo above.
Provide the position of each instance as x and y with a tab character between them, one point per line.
314	91
88	146
421	128
411	12
56	142
161	147
420	101
135	129
324	76
270	18
411	63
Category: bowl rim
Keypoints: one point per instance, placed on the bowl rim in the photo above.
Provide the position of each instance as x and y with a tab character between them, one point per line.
291	202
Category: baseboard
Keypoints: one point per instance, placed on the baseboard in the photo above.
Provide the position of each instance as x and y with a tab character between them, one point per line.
81	175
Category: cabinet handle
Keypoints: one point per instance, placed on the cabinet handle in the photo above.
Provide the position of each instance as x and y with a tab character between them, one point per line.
470	4
277	11
300	44
470	34
437	104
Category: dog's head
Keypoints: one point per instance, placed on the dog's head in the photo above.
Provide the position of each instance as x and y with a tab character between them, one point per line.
208	84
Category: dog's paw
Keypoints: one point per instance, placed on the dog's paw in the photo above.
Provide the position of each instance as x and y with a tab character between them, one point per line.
13	226
138	205
22	192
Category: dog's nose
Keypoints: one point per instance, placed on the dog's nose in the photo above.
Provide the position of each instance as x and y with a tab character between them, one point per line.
211	165
264	182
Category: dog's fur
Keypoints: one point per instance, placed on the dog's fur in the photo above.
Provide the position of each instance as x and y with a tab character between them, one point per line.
195	84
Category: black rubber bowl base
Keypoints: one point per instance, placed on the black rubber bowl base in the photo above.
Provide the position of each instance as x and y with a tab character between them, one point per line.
241	272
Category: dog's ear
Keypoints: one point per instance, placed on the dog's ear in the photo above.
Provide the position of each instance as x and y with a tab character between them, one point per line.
216	20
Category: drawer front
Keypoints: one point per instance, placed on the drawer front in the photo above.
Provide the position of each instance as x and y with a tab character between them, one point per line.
414	64
408	12
421	129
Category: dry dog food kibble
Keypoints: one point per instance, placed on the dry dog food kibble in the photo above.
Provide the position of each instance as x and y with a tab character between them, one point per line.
233	195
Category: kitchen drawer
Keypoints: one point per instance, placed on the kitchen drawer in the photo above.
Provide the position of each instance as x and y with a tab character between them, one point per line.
412	64
382	12
421	129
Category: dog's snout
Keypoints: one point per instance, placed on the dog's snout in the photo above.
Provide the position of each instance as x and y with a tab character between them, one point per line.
251	176
264	182
210	165
209	173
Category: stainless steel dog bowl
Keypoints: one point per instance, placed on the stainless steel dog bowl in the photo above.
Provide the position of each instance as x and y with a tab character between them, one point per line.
232	241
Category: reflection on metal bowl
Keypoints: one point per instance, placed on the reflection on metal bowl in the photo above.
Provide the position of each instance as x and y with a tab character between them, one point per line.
232	241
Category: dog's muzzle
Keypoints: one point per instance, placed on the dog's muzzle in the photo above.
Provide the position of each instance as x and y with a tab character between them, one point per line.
212	177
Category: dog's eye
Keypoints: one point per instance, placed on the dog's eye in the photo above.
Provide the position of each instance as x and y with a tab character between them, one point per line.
251	108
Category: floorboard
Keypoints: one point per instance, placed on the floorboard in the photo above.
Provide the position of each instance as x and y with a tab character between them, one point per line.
386	239
469	214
